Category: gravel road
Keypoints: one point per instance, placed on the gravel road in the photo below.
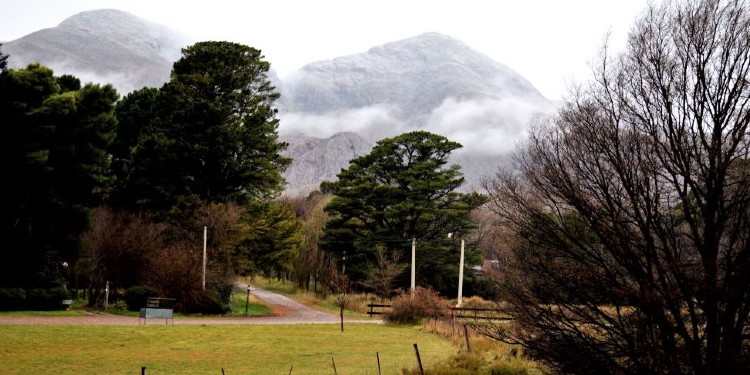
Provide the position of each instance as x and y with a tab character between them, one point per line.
285	309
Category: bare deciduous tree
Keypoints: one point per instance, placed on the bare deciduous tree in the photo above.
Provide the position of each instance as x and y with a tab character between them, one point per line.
630	209
339	283
311	260
383	273
114	249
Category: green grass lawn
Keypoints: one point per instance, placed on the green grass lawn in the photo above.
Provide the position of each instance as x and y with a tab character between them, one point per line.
238	349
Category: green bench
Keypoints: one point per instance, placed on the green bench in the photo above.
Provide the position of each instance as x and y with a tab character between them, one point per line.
156	308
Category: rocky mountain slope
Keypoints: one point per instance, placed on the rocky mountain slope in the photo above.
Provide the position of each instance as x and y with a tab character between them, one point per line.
415	75
330	111
320	159
103	46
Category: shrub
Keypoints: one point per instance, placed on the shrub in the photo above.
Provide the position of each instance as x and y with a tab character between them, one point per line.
12	299
121	305
46	299
424	304
508	369
224	289
460	364
203	302
478	302
136	296
37	299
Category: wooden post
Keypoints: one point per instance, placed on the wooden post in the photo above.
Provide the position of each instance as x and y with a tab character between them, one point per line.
466	335
143	370
419	359
378	356
222	371
334	366
247	301
290	369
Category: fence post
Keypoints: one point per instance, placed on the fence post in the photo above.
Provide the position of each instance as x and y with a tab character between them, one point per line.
419	360
378	356
143	370
466	335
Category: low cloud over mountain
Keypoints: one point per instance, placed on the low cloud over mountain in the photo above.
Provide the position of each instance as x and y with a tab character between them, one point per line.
103	46
330	111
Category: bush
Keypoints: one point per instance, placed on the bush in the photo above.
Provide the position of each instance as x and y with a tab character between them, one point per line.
508	369
136	296
46	299
224	289
203	302
12	299
471	364
424	304
121	305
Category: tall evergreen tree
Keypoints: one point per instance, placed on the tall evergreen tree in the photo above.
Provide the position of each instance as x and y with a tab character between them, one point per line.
54	153
209	134
400	191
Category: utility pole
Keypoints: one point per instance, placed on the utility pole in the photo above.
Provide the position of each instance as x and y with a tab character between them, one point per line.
413	264
461	274
203	276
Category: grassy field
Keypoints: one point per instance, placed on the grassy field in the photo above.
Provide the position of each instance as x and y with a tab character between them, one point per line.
250	349
238	349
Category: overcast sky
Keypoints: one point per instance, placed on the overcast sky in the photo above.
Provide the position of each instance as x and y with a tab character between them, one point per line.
550	42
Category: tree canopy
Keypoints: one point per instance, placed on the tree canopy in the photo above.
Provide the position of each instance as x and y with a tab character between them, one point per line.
402	190
209	134
55	137
633	205
3	61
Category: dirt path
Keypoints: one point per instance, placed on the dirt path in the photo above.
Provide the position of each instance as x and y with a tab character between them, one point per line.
286	311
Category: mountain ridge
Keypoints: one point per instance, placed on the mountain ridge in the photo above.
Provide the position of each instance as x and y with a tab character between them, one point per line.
104	45
330	111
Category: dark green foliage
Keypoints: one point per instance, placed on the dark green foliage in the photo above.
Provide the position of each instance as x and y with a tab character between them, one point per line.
46	299
402	190
136	296
208	134
484	287
68	82
12	299
273	241
203	302
54	151
224	290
